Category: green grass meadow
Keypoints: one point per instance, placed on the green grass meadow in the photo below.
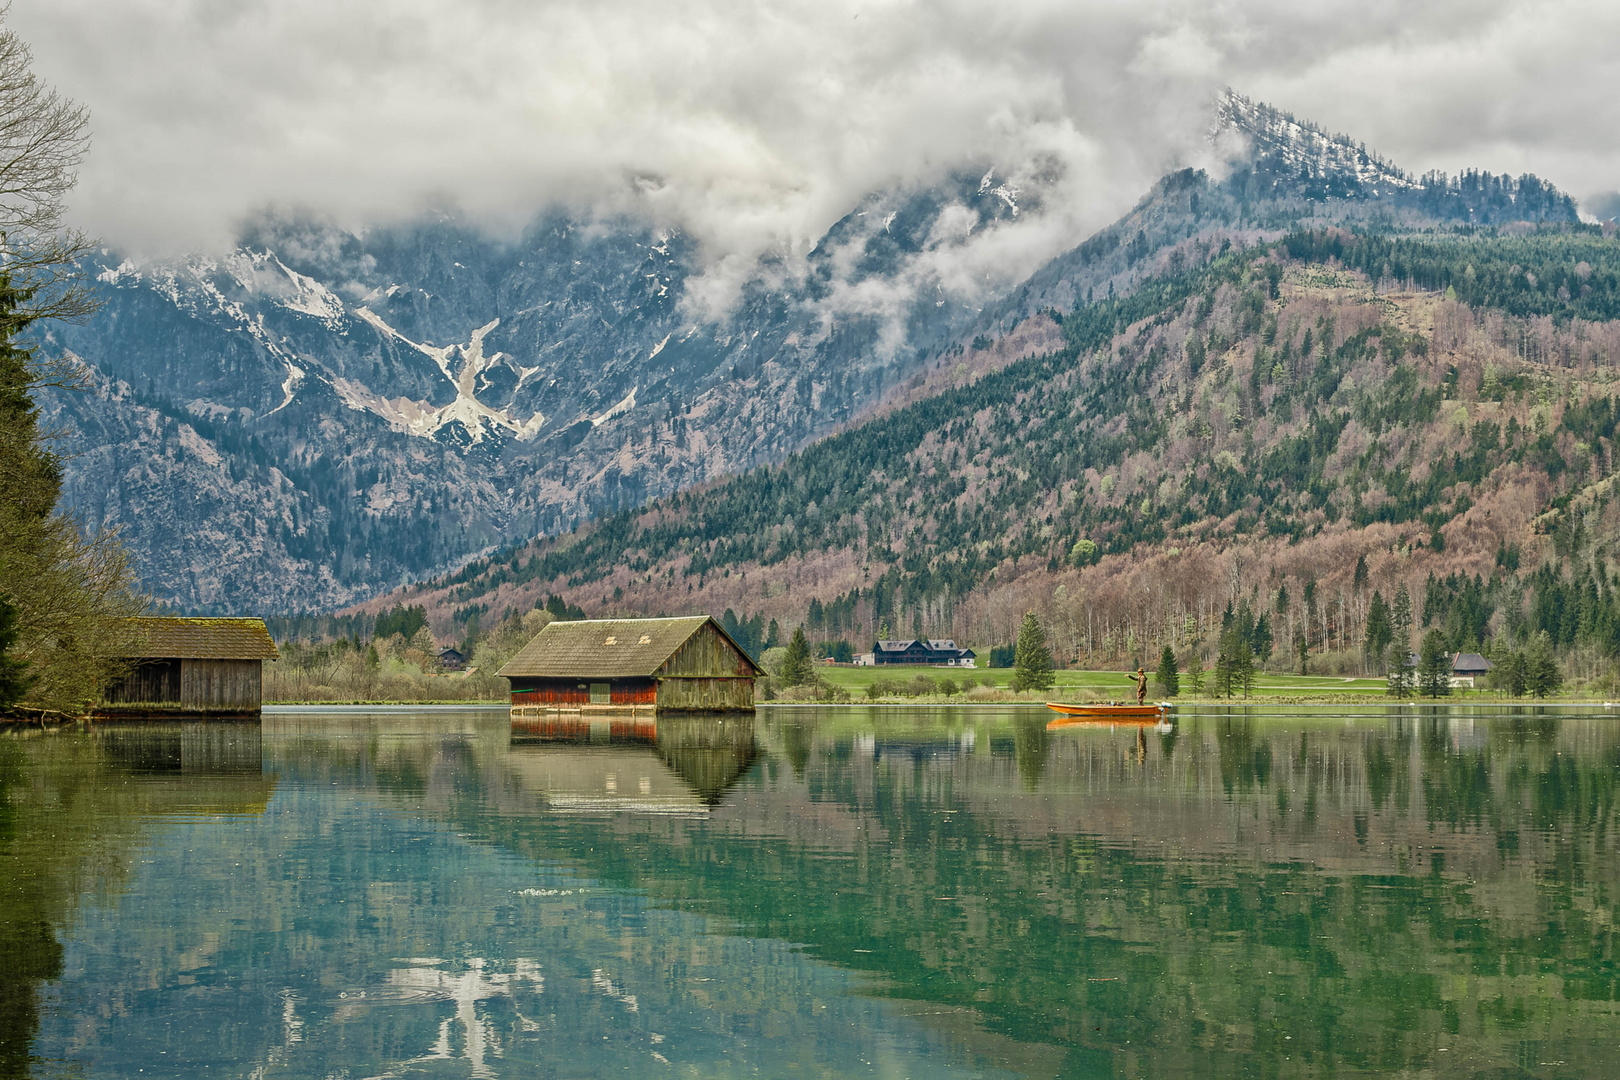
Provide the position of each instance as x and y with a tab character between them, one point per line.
1109	685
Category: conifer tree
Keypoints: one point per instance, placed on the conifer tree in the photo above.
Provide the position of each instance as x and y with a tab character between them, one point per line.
68	595
1399	664
1509	673
1541	675
796	665
1400	617
1434	666
1379	633
1234	664
1032	660
1169	681
1243	669
1195	671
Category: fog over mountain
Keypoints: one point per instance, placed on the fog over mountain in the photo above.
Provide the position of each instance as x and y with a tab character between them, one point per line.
755	128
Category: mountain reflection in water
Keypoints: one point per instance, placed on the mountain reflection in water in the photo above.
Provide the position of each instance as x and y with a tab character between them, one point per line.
925	892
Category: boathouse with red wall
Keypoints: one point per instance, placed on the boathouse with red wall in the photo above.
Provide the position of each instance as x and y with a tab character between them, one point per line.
687	664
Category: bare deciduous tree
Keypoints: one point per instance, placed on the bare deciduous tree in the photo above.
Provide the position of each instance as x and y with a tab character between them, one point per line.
43	138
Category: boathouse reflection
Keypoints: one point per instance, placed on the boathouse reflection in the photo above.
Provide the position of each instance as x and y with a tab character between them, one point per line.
580	763
69	823
197	749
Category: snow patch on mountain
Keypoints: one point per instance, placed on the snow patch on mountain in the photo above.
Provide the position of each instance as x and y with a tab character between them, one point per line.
625	404
1303	147
289	387
314	299
421	418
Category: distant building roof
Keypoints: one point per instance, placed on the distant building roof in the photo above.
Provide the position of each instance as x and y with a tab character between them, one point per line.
931	644
200	639
1469	663
609	648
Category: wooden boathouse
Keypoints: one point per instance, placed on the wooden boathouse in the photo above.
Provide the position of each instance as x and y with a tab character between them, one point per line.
191	667
632	666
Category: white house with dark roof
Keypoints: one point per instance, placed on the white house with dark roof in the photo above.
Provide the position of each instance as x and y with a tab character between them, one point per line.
932	652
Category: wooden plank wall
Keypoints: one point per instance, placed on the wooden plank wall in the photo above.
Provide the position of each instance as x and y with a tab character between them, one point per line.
221	685
621	692
706	695
640	692
150	682
707	653
555	694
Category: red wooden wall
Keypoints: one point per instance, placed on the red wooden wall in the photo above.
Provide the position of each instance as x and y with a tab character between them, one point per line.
639	692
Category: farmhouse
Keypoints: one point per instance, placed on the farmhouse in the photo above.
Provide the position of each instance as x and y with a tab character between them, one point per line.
1466	667
632	665
191	666
931	652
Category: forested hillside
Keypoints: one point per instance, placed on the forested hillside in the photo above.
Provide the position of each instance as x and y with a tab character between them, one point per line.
1292	426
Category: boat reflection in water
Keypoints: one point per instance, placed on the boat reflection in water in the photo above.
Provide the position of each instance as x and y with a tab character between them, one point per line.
580	763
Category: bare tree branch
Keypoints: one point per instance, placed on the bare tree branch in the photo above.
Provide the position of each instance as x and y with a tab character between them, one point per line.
43	138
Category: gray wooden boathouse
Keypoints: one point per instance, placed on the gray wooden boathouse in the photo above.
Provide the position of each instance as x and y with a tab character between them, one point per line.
178	666
632	666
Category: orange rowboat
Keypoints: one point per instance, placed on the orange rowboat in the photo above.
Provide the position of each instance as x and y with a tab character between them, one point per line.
1109	714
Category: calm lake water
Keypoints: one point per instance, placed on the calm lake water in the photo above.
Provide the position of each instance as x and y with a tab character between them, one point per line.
886	892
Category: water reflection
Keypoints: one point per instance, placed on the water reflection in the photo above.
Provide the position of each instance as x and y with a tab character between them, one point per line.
570	760
71	818
212	748
887	892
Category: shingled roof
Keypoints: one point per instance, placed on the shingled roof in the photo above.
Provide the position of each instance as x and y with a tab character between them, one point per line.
200	639
606	648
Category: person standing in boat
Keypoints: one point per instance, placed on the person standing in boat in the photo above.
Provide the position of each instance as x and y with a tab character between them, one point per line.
1141	685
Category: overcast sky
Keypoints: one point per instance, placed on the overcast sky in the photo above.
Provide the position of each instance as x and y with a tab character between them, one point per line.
756	125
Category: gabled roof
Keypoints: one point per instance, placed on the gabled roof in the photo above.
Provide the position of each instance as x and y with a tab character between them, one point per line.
931	645
199	639
1469	662
609	648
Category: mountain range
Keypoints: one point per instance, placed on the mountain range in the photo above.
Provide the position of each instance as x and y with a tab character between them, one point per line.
319	416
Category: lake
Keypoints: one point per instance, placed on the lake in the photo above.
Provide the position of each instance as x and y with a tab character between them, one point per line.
885	892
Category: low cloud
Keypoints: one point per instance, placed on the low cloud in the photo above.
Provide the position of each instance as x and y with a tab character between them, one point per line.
755	126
